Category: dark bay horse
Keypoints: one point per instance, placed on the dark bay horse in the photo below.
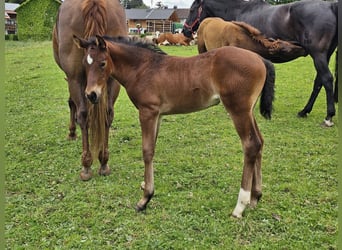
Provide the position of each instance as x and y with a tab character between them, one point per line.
93	111
214	32
312	24
181	85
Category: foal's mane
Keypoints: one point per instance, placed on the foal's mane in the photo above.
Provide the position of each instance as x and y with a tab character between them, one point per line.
253	32
136	42
95	17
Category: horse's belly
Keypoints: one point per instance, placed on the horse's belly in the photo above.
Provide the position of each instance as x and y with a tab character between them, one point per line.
190	103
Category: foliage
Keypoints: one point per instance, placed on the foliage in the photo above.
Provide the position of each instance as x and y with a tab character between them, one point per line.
36	18
197	170
13	37
133	4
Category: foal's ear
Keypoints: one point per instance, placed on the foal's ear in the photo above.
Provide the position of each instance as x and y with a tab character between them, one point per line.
100	42
80	43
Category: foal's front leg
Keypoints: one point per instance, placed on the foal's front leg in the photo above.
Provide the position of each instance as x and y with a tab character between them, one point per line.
149	122
113	88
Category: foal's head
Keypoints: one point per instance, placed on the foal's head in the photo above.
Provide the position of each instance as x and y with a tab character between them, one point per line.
97	64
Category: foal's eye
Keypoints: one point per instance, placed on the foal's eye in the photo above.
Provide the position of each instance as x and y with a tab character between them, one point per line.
103	64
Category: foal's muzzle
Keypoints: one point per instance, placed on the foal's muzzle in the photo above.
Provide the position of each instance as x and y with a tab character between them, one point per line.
93	97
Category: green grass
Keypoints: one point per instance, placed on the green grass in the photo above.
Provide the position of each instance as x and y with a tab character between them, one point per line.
198	167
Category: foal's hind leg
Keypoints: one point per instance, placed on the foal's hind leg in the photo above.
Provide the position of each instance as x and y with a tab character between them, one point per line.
252	148
113	91
149	121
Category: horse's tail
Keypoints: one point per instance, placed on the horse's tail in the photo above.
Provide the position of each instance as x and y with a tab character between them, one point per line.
267	94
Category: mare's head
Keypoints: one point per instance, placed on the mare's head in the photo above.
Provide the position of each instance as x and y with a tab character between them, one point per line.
98	66
192	22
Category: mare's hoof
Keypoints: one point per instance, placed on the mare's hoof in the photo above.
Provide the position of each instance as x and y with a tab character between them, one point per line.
104	171
72	137
86	175
327	123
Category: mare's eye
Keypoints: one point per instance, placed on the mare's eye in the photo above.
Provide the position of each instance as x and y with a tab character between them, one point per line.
103	64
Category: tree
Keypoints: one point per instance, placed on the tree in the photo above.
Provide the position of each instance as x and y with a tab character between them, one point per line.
133	4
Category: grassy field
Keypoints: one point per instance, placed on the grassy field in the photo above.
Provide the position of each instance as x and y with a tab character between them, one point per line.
198	165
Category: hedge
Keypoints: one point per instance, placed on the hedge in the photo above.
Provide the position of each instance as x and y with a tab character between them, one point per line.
36	18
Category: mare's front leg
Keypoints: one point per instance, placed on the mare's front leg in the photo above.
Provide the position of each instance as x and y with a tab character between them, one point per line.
323	78
72	124
76	90
113	89
149	122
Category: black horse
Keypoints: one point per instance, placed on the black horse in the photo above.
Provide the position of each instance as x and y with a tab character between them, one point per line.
312	24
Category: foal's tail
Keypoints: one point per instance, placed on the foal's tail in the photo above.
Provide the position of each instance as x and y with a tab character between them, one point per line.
267	94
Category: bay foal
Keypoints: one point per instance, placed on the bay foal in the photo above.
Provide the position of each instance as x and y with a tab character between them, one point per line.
181	85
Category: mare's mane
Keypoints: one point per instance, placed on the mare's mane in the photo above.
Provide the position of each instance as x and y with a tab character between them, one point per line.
136	42
95	17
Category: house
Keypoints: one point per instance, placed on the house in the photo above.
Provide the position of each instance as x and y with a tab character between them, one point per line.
151	20
11	18
36	18
182	14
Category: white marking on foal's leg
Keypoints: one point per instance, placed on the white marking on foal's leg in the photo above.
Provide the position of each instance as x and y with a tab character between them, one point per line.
243	200
89	59
328	123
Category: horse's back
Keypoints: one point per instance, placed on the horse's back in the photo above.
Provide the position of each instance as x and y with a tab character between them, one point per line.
210	33
242	67
215	33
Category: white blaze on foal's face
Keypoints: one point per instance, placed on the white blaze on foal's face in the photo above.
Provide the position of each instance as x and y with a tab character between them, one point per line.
89	59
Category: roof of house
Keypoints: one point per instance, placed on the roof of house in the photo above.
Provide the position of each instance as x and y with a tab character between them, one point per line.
11	6
149	14
182	13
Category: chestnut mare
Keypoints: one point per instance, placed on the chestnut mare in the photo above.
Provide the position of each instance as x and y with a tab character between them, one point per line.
92	110
182	85
173	39
214	32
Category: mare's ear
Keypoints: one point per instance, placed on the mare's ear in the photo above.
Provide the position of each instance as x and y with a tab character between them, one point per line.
100	42
80	43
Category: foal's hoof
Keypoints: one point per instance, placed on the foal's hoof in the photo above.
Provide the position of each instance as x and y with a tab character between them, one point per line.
104	170
140	208
236	215
327	123
302	114
86	175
